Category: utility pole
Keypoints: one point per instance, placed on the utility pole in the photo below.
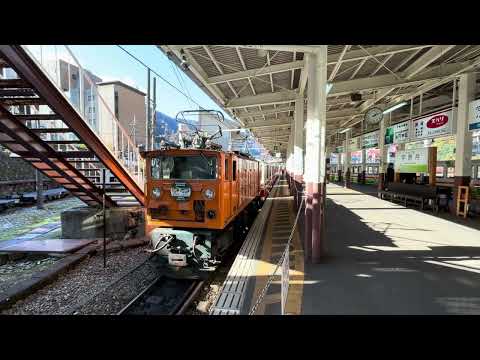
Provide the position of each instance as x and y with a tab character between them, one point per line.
149	116
39	182
154	114
39	187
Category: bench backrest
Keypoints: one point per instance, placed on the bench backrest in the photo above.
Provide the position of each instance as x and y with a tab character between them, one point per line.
413	189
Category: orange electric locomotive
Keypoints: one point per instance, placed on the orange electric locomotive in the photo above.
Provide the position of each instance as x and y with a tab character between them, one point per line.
200	199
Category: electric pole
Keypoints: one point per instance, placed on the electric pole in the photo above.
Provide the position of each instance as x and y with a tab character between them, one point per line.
39	187
147	127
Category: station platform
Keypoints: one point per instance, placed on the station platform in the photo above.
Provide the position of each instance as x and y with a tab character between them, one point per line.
34	242
257	260
382	259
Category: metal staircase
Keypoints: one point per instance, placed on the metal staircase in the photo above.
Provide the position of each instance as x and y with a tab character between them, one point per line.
42	125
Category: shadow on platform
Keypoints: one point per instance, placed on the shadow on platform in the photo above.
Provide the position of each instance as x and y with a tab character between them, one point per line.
369	272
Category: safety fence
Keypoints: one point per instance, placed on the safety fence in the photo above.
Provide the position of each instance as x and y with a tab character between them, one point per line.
283	264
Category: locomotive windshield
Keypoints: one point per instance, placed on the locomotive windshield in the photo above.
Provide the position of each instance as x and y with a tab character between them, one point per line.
191	167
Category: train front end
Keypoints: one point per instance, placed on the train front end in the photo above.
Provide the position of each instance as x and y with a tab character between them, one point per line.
183	208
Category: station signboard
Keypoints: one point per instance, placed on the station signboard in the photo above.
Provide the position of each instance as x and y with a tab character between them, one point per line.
397	134
370	140
438	124
354	144
339	149
445	148
412	161
474	115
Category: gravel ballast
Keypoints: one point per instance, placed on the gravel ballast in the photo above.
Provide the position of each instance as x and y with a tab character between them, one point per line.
91	289
14	272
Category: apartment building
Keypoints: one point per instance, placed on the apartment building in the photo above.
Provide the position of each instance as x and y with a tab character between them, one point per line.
128	105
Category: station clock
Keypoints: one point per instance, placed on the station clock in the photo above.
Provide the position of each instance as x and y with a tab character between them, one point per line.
374	115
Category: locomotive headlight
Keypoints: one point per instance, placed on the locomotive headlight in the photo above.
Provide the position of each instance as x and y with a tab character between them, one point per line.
156	192
209	194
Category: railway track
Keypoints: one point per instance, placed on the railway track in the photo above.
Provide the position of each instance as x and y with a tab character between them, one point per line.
164	296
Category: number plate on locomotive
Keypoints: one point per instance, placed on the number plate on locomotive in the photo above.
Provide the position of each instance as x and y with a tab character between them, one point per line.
181	191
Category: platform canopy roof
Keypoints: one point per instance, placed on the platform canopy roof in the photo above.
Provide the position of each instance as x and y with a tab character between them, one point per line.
258	84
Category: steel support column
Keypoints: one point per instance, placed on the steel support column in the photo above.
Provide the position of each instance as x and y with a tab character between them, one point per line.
348	157
290	161
383	157
463	154
298	149
316	152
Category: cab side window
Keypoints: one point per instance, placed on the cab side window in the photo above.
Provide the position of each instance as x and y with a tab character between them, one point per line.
227	177
234	169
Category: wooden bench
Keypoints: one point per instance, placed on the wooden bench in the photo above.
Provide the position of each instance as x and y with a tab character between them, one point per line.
411	193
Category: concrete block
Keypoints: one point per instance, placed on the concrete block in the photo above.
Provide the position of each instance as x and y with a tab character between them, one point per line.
86	223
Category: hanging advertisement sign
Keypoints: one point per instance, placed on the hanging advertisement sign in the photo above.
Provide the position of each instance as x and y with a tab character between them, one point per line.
333	158
372	156
354	144
370	140
397	134
412	161
392	150
474	115
439	124
476	145
356	157
439	171
339	149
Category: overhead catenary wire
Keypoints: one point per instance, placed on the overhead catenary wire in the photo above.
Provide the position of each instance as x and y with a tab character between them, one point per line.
181	83
169	83
160	76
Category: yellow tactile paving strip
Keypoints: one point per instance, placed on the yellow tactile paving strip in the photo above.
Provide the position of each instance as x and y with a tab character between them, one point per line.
272	248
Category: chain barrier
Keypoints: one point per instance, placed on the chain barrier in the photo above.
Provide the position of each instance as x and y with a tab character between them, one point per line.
279	263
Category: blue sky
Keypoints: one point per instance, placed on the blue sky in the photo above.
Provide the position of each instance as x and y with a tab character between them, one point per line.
109	62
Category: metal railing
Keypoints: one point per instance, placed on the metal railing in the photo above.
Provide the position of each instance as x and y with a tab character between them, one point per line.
62	67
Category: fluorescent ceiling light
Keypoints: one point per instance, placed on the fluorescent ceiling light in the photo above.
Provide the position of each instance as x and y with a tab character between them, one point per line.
344	131
329	87
390	109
